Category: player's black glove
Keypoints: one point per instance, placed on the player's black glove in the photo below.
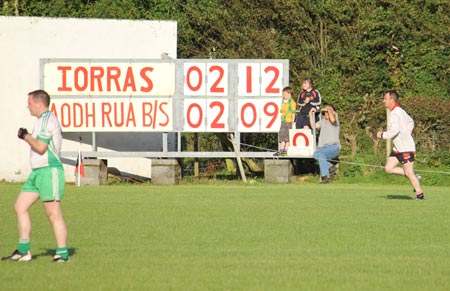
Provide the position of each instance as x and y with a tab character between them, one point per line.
22	133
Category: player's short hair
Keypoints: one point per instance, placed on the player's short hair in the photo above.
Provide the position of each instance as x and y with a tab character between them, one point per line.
287	89
392	94
42	96
309	80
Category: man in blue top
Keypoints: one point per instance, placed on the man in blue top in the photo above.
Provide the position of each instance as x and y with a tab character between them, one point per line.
46	181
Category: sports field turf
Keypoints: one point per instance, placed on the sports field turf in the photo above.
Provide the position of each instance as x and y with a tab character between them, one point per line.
231	236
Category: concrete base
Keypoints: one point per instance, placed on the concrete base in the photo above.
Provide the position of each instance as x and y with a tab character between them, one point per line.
95	173
166	172
278	171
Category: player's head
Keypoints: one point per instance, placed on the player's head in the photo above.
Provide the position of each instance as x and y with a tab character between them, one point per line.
40	96
390	98
38	102
287	92
307	84
392	94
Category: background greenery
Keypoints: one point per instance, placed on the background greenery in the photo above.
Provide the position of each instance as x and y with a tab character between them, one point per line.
353	49
232	236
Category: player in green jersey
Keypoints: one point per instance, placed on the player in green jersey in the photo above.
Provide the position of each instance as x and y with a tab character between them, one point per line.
46	181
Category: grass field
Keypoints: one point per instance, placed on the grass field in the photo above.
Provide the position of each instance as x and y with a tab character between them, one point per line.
231	236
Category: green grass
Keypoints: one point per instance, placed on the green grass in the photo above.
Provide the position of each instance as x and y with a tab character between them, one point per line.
230	236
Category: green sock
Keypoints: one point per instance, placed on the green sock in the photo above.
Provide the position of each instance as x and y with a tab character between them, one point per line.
24	245
63	252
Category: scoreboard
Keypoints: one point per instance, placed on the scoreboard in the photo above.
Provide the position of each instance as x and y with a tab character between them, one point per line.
190	95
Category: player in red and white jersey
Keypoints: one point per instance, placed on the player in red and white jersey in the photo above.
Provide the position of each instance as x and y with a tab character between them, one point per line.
400	127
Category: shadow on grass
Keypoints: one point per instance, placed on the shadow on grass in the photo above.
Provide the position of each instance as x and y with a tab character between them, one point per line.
51	252
396	197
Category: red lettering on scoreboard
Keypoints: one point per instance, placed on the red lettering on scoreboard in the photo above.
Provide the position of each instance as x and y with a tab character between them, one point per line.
75	114
117	115
85	79
216	122
249	79
296	136
199	75
114	115
253	115
276	74
271	109
151	112
215	86
198	108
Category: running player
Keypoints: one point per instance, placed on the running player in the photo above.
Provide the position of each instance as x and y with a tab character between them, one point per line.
400	127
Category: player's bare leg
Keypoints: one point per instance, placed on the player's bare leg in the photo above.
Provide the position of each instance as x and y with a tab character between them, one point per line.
282	145
286	146
409	173
54	214
392	167
23	204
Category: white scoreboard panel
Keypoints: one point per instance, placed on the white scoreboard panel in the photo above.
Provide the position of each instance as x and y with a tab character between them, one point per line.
191	95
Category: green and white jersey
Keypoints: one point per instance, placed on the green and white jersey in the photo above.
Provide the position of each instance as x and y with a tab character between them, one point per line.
48	130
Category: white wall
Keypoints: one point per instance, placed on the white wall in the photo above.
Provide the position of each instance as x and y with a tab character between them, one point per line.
24	40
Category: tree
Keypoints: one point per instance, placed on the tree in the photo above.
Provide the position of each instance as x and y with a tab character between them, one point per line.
353	49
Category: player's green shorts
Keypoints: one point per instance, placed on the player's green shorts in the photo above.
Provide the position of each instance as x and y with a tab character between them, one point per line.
48	182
